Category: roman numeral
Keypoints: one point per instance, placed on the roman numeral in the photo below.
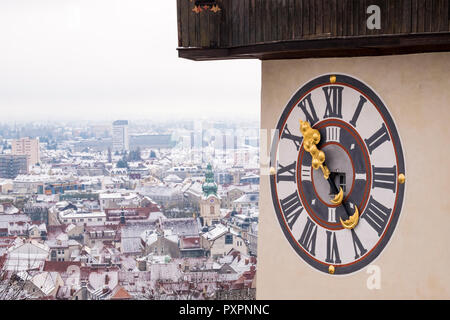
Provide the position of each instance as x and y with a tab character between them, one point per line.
332	215
377	138
333	95
306	173
308	238
311	115
286	173
360	176
377	215
296	139
292	208
361	103
333	134
357	245
332	249
385	178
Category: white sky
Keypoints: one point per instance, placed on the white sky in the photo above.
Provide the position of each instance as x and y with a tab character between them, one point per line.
111	59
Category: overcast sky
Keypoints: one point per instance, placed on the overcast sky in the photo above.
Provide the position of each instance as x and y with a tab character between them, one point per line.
111	59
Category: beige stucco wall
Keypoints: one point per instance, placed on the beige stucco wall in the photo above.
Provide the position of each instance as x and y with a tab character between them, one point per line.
416	262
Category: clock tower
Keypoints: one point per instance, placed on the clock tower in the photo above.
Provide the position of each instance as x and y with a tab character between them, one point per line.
209	201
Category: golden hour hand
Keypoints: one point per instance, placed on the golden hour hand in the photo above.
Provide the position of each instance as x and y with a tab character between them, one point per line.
311	137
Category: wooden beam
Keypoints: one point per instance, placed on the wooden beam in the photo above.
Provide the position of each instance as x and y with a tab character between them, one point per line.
327	47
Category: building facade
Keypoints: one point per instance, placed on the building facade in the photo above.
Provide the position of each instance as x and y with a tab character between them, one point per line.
28	147
121	140
13	165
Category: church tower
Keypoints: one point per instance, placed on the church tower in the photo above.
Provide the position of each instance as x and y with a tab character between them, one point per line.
210	201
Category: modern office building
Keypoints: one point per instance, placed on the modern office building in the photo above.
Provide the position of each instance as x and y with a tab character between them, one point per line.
13	165
121	141
28	147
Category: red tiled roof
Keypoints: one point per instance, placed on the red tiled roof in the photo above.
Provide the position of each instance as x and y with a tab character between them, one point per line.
121	294
59	266
2	260
190	242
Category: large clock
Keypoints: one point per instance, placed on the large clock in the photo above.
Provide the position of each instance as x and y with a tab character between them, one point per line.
337	174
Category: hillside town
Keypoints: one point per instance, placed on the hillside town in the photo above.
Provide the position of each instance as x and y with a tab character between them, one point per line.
120	211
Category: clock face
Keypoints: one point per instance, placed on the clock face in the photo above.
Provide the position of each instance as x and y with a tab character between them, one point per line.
364	156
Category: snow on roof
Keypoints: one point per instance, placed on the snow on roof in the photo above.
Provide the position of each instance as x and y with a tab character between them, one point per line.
26	256
70	227
215	233
242	216
62	237
172	178
14	218
156	215
248	198
46	281
131	245
149	237
181	226
131	236
134	230
101	279
72	214
8	209
243	188
104	196
5	181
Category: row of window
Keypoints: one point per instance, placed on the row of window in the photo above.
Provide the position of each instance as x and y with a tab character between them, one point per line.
82	220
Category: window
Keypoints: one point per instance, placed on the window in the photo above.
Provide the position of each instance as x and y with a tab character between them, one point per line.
228	239
342	181
339	181
211	209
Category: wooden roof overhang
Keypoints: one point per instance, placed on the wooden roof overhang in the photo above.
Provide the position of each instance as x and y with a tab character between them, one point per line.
292	29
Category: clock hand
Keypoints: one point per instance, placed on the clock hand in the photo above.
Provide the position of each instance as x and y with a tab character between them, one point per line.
311	137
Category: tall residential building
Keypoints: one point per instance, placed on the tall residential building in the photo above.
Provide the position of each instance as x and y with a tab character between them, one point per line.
121	140
13	165
26	147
